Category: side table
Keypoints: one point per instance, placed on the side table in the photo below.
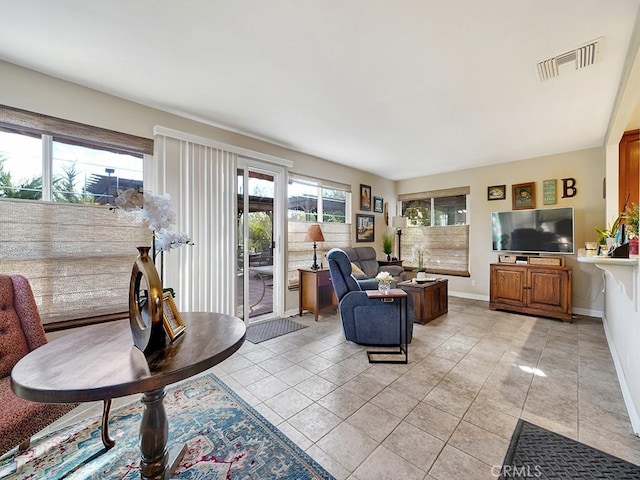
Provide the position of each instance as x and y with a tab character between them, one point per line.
430	299
384	263
403	343
315	291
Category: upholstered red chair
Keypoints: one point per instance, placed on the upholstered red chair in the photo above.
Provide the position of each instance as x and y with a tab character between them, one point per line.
20	332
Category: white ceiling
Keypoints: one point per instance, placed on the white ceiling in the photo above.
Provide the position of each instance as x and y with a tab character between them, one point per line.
401	88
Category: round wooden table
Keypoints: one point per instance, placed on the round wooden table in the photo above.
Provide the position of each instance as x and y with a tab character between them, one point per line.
100	362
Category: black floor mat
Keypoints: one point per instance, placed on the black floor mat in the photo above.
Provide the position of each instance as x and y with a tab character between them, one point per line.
535	452
271	329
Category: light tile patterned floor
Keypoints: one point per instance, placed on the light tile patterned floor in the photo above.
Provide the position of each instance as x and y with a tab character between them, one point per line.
449	413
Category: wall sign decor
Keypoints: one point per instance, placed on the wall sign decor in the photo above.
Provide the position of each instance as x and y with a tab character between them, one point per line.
377	204
569	187
523	195
364	227
365	197
549	195
497	192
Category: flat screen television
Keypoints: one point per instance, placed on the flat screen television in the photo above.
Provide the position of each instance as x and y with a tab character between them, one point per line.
544	230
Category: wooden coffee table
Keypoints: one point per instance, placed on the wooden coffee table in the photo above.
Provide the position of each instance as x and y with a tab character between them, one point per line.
100	362
430	299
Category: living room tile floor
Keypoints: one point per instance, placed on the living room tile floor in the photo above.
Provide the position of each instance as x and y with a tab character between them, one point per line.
449	413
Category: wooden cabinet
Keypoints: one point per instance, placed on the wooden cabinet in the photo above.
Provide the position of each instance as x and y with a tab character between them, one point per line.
628	169
316	291
543	290
430	299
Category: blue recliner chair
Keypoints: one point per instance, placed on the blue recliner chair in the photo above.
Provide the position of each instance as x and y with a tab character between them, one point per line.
365	321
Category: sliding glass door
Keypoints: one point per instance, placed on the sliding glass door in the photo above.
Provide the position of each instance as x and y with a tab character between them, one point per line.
259	226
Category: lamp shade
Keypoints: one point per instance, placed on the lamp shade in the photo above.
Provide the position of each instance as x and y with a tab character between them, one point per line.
399	222
314	234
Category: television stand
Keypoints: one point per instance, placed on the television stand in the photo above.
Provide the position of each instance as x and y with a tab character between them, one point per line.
531	259
536	289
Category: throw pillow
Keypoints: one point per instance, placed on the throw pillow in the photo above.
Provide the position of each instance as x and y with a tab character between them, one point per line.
357	272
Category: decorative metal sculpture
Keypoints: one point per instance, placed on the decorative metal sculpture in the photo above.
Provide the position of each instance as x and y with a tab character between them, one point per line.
145	304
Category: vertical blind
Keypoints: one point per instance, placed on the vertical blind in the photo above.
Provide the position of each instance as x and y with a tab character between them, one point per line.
201	180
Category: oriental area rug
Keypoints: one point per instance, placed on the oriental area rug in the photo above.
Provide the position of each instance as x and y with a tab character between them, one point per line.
536	452
226	439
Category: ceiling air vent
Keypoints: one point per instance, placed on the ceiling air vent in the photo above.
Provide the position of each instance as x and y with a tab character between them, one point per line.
580	57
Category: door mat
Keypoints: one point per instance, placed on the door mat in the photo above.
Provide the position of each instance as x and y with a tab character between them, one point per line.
538	453
271	329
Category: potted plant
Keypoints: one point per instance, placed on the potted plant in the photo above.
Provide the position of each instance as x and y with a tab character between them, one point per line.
631	217
387	245
420	257
609	232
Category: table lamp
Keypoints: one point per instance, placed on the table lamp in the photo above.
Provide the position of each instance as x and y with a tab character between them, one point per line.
399	223
314	234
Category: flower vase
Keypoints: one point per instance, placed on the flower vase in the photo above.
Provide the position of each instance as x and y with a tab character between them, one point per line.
384	287
145	304
633	246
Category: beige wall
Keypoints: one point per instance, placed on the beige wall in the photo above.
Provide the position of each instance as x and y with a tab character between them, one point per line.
586	166
29	90
33	91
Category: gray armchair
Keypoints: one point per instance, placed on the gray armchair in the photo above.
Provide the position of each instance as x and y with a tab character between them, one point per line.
365	321
365	259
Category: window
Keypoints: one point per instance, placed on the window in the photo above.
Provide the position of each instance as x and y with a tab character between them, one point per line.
314	200
56	177
79	174
438	220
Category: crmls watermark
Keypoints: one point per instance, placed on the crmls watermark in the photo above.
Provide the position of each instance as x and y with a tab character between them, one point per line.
513	471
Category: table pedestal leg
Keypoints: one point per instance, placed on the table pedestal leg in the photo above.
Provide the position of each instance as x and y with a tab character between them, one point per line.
156	461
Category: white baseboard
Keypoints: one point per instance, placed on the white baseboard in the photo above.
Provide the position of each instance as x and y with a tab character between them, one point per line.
471	296
634	417
290	313
589	312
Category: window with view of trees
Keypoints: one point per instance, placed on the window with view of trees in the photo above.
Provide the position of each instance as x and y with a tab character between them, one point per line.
313	200
58	180
438	221
78	174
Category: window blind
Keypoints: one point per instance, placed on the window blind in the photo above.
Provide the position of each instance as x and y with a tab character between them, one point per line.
448	245
448	248
447	192
300	253
318	182
78	258
29	123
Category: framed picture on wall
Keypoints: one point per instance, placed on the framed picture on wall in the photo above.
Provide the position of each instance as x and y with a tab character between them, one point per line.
365	197
364	227
497	192
523	195
377	204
